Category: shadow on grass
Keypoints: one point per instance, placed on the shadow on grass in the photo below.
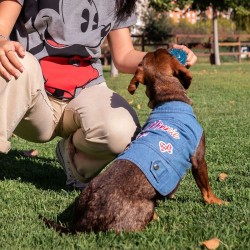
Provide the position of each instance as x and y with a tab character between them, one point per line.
66	216
64	219
40	171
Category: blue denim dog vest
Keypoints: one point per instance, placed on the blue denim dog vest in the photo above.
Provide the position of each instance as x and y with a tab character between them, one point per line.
164	147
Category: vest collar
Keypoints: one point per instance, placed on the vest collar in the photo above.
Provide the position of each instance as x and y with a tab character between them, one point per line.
173	107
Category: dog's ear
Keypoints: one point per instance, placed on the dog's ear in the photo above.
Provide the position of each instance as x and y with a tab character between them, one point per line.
184	75
138	78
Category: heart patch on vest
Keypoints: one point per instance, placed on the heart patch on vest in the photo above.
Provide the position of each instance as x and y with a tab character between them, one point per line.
166	147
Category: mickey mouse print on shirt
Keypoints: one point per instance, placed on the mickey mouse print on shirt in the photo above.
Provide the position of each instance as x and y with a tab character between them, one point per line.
65	36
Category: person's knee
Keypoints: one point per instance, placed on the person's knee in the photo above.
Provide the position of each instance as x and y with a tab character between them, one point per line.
109	139
29	62
32	73
100	146
32	70
120	135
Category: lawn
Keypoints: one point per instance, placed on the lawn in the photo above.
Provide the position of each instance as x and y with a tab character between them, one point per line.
221	97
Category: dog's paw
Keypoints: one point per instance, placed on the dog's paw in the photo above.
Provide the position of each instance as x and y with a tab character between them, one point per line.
215	200
155	217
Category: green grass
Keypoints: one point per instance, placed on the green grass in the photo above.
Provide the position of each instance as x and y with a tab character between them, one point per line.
29	187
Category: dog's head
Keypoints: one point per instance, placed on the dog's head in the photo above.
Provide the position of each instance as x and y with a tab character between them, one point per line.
166	79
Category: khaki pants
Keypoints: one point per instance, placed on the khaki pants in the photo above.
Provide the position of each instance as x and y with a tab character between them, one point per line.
100	121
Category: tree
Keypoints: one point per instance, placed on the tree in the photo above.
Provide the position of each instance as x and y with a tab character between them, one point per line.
240	8
157	26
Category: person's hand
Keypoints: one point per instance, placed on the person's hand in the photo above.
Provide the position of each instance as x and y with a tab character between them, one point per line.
10	66
191	57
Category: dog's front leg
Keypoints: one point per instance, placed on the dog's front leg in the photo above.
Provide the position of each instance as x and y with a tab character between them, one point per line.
200	173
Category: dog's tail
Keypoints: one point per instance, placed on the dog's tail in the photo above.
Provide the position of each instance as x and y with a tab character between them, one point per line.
57	227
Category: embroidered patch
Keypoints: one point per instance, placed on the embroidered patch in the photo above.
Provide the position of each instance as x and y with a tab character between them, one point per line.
166	147
159	125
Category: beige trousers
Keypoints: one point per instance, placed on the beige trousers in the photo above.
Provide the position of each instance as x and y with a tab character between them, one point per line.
100	121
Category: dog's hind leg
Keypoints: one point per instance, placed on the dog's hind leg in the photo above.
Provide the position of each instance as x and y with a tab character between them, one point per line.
200	173
134	216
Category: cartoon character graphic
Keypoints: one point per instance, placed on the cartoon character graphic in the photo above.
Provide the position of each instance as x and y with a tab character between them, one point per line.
67	43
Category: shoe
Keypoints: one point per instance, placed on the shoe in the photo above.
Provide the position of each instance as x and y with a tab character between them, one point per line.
64	160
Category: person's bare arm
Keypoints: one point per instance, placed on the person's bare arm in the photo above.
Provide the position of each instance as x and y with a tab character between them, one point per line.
9	63
126	58
9	12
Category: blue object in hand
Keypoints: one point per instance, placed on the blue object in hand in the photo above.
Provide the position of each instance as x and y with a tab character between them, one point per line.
180	54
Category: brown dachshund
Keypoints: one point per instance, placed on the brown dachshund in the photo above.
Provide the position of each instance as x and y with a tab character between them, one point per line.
123	197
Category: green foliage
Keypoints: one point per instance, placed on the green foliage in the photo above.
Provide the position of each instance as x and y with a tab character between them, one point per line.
158	26
33	186
240	8
226	26
242	23
205	26
185	27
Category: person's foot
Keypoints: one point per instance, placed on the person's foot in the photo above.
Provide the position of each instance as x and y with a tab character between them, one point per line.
64	160
30	153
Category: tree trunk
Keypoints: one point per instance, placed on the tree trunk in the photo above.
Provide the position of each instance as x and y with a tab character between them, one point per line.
114	71
216	38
